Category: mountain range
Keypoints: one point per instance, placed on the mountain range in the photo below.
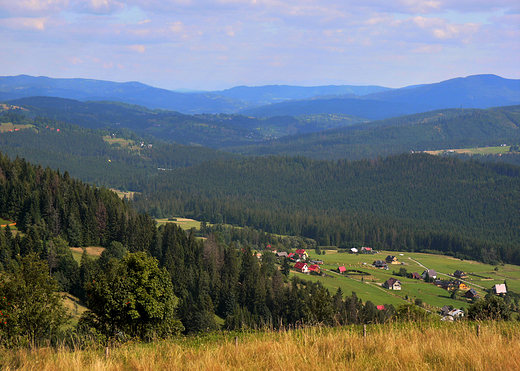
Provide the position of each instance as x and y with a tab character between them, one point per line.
371	102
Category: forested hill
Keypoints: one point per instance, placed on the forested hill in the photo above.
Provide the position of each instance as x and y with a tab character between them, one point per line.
405	202
45	203
443	129
117	158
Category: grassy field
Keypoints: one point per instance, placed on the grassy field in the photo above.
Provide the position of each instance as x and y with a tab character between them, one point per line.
184	223
473	151
415	346
93	251
480	277
74	307
9	126
123	194
122	142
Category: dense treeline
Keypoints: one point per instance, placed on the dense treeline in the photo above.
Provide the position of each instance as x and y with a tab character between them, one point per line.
45	204
405	202
444	129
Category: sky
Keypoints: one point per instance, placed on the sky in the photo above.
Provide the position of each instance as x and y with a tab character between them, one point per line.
218	44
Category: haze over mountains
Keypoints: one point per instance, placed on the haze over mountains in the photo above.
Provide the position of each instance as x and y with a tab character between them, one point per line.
371	102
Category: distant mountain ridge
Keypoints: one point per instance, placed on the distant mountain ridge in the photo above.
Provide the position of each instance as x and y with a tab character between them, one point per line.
371	102
268	94
23	86
478	91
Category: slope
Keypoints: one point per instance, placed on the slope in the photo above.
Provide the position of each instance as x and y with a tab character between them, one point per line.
442	129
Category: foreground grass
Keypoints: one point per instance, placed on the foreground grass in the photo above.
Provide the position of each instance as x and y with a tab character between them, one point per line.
419	346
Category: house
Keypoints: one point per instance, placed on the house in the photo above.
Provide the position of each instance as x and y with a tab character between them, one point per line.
342	269
430	273
302	253
499	289
416	276
314	268
459	274
456	313
380	307
282	254
367	250
301	267
354	250
392	284
390	259
379	264
445	310
451	285
471	293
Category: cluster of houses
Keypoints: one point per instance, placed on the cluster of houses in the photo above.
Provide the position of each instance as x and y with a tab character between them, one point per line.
298	256
363	250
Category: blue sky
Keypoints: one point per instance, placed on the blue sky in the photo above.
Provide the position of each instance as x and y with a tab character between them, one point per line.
217	44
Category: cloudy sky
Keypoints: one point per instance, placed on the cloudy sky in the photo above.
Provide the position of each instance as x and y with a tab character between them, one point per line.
216	44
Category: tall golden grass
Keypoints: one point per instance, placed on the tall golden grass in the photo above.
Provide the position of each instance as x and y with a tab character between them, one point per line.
418	346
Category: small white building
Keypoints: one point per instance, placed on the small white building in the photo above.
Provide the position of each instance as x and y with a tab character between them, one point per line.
500	289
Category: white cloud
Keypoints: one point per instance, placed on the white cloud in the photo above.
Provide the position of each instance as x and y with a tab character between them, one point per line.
98	6
428	49
137	48
32	24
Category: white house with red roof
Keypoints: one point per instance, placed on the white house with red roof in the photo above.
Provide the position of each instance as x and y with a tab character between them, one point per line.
301	267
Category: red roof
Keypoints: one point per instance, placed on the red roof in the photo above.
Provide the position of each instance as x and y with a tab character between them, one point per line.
314	267
300	266
342	269
300	251
380	307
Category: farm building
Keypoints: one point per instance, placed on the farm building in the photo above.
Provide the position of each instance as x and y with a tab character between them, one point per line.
301	267
392	284
499	289
391	259
471	293
430	273
459	274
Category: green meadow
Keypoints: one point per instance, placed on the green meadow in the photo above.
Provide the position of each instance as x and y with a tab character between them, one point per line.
367	284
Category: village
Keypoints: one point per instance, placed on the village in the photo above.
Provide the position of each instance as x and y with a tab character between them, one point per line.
459	289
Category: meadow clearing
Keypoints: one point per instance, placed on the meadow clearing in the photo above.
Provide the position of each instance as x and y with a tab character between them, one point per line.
397	346
473	151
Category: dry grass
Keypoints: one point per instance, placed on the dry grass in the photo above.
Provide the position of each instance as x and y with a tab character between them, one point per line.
92	250
452	346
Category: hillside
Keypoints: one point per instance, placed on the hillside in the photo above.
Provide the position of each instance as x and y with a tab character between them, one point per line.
117	158
209	130
407	202
479	91
442	129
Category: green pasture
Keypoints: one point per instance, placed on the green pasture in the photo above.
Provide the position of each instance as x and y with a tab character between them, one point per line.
480	276
473	151
184	223
364	291
122	142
